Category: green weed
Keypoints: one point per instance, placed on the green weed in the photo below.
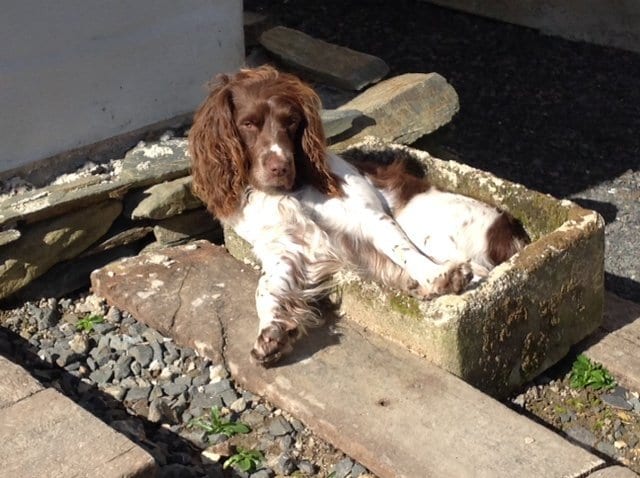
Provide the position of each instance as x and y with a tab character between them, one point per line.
214	424
87	323
245	460
588	374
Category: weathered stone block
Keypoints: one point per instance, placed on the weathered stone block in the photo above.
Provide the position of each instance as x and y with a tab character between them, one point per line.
46	243
324	62
166	200
401	109
520	320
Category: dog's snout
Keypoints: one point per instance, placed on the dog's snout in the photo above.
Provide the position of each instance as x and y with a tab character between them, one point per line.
277	166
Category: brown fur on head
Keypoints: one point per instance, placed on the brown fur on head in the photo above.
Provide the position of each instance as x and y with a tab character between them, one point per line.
227	139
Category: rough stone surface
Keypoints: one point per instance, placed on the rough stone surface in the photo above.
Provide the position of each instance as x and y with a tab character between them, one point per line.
152	163
523	318
314	384
617	343
187	225
166	200
46	243
335	122
613	472
169	278
46	434
331	64
401	109
15	383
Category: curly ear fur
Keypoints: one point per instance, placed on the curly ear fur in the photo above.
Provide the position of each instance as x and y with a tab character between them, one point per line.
218	164
313	167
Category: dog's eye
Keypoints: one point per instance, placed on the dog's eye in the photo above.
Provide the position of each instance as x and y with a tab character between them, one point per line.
248	124
293	121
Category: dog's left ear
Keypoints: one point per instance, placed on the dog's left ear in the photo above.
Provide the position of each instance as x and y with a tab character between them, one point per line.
313	168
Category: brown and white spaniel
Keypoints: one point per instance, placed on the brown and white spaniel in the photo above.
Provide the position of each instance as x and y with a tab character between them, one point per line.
260	164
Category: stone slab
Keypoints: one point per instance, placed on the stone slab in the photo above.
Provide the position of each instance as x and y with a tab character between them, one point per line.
321	61
617	345
173	300
143	165
46	243
401	109
614	472
15	383
336	122
394	412
523	317
46	434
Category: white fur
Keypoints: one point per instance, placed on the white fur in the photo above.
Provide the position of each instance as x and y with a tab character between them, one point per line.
291	234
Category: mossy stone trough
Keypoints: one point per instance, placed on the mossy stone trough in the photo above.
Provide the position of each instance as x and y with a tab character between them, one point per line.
519	321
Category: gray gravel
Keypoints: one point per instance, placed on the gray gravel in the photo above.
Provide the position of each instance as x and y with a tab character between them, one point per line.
150	389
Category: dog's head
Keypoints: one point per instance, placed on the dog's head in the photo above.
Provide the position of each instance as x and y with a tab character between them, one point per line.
258	128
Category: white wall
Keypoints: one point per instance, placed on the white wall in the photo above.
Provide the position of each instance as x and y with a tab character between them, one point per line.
74	72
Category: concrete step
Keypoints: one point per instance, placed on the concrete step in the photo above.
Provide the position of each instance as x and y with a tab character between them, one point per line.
616	345
43	433
391	410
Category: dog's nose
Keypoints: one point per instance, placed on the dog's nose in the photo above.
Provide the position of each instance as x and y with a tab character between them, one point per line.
277	166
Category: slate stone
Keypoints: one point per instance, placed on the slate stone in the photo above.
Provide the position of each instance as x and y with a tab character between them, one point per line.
173	389
190	224
102	375
335	122
616	401
138	393
286	465
307	467
216	388
342	468
142	353
254	25
158	161
279	426
581	435
401	109
321	61
44	244
122	368
8	236
357	470
166	200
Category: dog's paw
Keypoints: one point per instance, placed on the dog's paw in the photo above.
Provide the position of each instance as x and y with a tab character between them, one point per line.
274	342
453	280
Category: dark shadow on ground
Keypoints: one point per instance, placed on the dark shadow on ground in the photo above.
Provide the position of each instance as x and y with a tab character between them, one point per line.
555	115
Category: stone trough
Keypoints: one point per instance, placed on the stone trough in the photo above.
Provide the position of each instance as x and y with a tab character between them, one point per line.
519	321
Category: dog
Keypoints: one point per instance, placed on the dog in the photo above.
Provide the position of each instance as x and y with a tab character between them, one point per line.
261	166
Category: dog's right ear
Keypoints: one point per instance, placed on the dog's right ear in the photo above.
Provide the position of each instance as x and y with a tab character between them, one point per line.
218	165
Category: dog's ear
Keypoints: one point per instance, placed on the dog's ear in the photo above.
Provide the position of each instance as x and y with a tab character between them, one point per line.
313	168
218	163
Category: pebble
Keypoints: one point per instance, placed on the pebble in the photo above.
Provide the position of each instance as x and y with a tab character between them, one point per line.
342	468
138	393
616	401
102	375
79	344
279	426
286	464
581	435
358	470
239	405
306	467
264	473
142	353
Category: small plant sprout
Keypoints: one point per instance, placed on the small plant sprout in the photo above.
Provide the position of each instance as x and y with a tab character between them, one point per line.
244	460
87	323
215	424
588	374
